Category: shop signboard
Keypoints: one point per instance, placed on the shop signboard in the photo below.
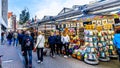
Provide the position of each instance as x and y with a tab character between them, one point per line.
104	21
99	22
111	21
94	22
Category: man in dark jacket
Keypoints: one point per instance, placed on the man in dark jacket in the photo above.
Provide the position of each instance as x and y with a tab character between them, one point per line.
58	43
51	41
27	46
9	37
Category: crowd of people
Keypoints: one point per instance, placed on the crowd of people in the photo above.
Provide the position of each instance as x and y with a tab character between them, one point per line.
29	41
57	41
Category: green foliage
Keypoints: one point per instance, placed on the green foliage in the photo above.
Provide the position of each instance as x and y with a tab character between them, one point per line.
24	16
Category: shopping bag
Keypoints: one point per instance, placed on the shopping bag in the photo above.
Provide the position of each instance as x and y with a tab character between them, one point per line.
34	50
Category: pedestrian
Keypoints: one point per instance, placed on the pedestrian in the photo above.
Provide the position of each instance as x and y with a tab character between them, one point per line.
65	40
58	43
21	35
15	38
27	47
9	38
33	35
40	46
116	42
51	42
2	37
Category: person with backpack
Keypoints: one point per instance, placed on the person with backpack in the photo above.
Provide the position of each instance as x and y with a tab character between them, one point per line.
51	42
66	40
58	43
27	47
40	46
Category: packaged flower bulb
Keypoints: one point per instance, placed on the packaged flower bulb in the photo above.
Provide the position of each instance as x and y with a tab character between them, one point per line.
112	32
86	55
100	44
104	43
91	44
86	32
106	38
112	36
111	42
99	34
86	38
95	44
103	54
92	49
102	39
90	39
78	53
90	33
111	47
109	37
86	43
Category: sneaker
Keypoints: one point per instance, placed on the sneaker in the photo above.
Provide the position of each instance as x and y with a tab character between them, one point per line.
41	62
38	61
54	56
30	66
66	56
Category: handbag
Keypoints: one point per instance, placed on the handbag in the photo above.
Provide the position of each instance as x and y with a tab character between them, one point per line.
35	48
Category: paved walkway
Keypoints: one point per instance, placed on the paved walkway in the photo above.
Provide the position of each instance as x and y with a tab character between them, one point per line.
61	62
11	58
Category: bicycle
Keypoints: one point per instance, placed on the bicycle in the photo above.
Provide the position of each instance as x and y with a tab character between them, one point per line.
1	61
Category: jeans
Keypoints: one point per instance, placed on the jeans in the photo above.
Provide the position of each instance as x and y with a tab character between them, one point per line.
59	48
118	54
2	39
9	41
52	49
28	57
40	54
66	46
15	42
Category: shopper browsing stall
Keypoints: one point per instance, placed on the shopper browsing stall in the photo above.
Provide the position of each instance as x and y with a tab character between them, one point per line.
40	46
116	42
58	43
65	40
51	41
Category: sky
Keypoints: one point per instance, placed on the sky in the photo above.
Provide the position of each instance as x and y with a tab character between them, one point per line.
42	8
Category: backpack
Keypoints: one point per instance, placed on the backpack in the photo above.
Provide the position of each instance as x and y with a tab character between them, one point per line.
27	42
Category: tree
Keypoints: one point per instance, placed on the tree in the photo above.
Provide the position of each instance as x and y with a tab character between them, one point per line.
24	16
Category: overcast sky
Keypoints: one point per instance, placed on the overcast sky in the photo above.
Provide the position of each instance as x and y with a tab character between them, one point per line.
40	8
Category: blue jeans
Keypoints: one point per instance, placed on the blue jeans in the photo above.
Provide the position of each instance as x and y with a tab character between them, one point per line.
118	54
15	42
9	41
28	54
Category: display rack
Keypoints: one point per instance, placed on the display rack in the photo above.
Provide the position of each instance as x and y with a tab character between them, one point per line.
90	56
